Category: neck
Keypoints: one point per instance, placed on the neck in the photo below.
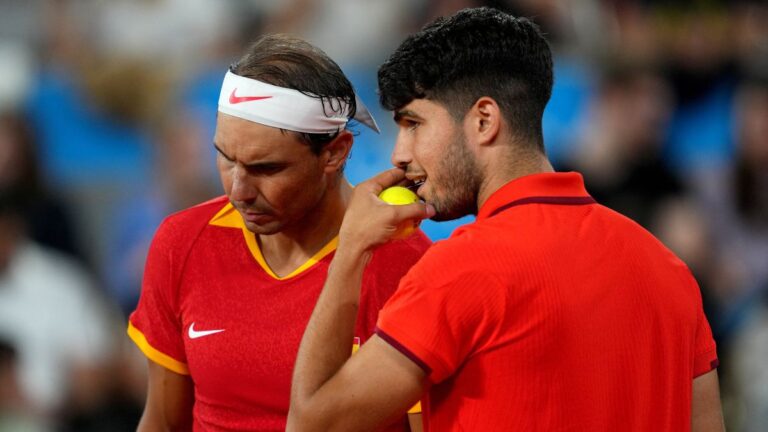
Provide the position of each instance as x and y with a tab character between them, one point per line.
295	244
503	168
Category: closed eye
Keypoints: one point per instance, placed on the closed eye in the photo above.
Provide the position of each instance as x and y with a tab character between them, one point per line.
265	168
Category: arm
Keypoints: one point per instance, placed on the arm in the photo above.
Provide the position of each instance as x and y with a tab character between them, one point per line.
415	422
374	387
706	412
170	397
330	390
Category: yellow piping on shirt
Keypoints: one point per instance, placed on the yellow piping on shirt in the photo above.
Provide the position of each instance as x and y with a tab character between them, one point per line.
153	354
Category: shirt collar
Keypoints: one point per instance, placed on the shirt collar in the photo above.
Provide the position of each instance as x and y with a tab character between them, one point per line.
543	188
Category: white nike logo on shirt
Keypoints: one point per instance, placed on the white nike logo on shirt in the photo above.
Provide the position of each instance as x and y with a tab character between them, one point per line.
193	334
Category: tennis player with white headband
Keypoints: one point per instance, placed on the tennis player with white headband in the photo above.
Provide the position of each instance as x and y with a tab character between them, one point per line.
229	285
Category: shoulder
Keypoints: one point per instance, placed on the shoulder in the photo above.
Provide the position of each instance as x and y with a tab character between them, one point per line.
465	242
178	233
625	231
400	253
200	214
186	225
465	256
416	244
621	242
171	247
488	247
391	261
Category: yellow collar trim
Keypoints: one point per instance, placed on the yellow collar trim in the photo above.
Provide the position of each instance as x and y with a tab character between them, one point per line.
228	217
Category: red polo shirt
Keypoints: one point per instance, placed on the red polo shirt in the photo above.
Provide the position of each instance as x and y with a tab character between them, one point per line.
552	312
212	308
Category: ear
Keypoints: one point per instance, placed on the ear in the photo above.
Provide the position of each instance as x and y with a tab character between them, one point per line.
483	121
336	152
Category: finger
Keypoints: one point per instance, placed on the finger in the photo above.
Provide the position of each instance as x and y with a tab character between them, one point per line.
385	179
415	211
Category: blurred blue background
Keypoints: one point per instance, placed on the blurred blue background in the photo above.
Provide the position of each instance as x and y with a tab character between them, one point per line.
107	110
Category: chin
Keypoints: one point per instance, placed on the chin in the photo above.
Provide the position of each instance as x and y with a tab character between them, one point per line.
456	212
267	229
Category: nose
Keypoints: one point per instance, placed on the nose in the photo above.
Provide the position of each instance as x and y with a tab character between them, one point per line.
401	154
243	189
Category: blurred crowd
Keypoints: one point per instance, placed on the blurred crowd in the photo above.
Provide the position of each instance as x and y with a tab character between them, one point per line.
107	111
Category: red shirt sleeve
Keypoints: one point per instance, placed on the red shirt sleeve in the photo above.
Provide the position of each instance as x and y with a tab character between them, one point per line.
705	354
155	325
441	313
704	349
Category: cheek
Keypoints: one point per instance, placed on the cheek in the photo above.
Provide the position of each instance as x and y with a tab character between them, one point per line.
283	192
225	174
429	152
294	195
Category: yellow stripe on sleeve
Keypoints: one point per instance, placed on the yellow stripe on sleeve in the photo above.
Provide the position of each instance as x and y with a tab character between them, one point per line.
153	354
416	409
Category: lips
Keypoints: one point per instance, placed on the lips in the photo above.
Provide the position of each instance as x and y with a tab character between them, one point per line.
255	217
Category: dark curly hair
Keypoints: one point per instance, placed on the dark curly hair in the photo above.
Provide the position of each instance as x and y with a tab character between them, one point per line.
476	52
290	62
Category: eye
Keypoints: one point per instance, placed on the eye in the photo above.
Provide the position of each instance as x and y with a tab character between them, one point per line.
265	169
411	124
407	121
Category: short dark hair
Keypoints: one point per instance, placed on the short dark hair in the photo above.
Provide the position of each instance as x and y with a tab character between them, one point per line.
476	52
290	62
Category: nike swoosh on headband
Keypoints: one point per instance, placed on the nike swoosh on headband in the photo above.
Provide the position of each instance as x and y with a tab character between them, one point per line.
233	99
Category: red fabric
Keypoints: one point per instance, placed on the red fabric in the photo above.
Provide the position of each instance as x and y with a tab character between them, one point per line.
204	274
552	314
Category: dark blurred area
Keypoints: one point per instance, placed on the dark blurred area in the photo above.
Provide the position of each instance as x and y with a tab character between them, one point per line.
107	112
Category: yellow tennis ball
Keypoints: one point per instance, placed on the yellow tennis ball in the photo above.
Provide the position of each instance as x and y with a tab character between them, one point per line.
398	195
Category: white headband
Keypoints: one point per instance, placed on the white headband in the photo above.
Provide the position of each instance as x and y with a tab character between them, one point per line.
285	108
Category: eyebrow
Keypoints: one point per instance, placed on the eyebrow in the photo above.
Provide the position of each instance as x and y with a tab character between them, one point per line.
255	165
221	151
399	114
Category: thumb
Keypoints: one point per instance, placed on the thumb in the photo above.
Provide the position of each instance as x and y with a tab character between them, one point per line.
415	211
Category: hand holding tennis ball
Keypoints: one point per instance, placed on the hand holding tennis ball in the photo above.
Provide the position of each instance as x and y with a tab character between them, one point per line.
376	212
399	195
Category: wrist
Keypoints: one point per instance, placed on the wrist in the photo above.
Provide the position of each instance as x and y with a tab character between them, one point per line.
350	255
345	276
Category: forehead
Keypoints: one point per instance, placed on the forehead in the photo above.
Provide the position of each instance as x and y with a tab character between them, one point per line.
239	138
